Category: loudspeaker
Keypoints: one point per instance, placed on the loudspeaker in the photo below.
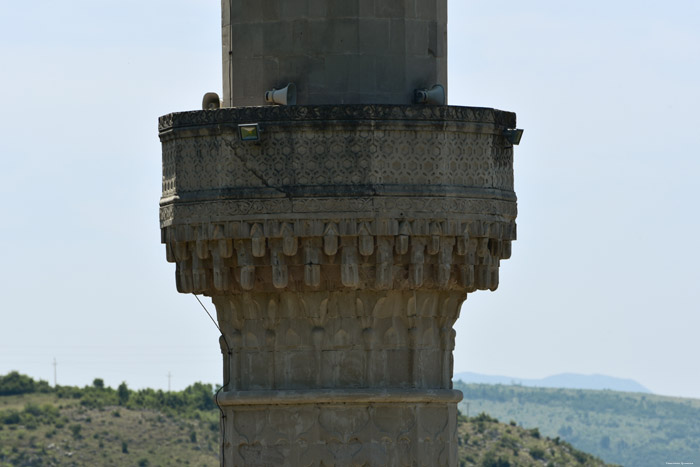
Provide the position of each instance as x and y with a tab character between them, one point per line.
284	96
211	101
513	136
432	96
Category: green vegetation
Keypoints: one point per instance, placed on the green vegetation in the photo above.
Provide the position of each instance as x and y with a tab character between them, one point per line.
624	428
485	442
15	383
98	425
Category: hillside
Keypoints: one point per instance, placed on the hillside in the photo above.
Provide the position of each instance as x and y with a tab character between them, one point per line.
563	380
624	428
54	431
97	425
74	435
483	441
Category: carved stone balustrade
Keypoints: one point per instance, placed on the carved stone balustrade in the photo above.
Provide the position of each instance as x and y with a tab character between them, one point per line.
338	250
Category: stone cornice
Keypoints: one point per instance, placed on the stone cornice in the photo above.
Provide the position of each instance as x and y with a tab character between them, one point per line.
335	396
330	113
212	216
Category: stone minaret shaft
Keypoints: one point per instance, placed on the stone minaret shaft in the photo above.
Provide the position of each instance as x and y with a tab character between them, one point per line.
340	246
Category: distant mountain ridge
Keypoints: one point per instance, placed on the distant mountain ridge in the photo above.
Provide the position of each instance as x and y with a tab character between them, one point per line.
563	380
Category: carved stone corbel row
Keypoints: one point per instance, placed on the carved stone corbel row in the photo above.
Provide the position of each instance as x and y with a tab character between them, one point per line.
267	256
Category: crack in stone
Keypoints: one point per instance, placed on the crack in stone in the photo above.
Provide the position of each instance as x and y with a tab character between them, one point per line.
244	161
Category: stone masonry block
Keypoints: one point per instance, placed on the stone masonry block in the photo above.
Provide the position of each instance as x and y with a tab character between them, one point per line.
417	42
390	9
374	35
367	8
345	36
271	10
245	11
295	8
427	10
343	8
318	8
303	30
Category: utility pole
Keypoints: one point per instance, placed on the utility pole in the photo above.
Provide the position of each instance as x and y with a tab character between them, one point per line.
54	371
169	375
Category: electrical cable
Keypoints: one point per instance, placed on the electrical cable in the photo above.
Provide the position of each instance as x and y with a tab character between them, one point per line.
226	383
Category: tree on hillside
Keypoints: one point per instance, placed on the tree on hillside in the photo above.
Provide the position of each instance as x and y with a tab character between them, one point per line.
15	383
123	393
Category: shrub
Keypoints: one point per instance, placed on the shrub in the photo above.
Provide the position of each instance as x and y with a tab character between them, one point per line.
537	453
15	383
580	456
75	431
484	417
509	442
123	393
32	409
10	417
68	392
96	398
490	460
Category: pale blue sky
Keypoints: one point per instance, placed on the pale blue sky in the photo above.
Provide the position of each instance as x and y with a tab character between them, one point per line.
604	275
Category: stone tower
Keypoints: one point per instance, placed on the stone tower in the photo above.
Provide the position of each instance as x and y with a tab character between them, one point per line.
337	238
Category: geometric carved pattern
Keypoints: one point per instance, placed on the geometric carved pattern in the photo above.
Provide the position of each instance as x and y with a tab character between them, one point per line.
343	435
339	378
353	156
357	339
304	157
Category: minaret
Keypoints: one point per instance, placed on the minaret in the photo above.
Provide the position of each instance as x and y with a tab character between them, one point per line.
337	237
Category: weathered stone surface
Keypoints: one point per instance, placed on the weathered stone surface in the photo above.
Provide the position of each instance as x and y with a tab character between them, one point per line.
336	52
408	431
338	250
344	340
